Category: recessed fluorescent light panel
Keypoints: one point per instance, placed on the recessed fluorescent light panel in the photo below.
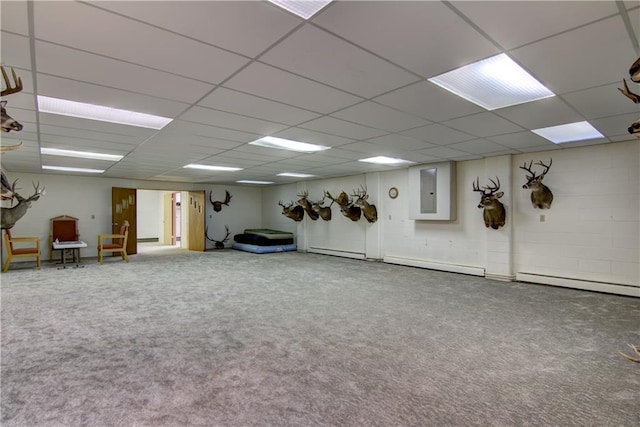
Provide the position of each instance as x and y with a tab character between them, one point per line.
287	144
248	181
303	8
493	83
80	154
384	160
578	131
81	110
211	168
296	175
67	169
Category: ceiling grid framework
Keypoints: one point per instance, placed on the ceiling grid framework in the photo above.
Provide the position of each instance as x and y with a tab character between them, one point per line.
353	77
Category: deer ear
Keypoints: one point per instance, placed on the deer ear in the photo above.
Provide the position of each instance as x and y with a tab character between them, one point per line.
3	103
500	194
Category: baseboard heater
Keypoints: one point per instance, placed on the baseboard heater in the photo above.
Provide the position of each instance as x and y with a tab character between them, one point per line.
612	288
148	239
336	252
435	265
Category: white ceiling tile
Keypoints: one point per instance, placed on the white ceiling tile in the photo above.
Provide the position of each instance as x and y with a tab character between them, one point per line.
14	17
271	83
563	67
479	146
16	53
603	101
400	143
231	121
82	66
380	117
425	37
183	127
529	21
438	134
252	106
483	124
443	152
341	128
316	54
427	100
521	140
542	113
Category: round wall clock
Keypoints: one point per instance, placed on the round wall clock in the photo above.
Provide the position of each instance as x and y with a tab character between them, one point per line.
393	192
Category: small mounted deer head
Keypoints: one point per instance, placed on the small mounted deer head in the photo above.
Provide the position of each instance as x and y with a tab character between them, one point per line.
634	75
217	205
494	213
347	208
295	213
11	215
369	211
323	211
219	243
306	205
9	123
541	196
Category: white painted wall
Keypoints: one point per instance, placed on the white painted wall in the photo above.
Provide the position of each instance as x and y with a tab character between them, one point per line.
150	211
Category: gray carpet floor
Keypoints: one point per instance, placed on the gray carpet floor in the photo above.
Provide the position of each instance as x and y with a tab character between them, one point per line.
228	338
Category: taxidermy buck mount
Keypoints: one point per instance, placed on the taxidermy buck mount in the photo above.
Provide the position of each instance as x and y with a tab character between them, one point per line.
369	211
11	215
7	188
347	207
219	243
636	350
307	205
217	205
541	196
323	211
494	213
634	75
8	123
295	213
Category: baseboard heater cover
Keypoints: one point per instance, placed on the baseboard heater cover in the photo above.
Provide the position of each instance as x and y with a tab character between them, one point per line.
612	288
434	265
336	252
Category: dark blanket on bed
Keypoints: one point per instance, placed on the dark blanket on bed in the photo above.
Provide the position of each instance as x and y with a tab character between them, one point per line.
254	239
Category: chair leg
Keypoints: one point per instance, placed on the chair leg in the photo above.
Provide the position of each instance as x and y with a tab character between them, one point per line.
38	261
125	257
6	264
100	257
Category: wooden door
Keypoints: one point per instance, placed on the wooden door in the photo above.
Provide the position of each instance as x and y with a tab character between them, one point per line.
196	220
123	207
169	237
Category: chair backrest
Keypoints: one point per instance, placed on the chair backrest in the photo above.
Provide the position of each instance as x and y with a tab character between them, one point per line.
124	230
64	228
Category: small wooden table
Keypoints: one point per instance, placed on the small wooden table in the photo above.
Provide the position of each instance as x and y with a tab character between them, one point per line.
74	246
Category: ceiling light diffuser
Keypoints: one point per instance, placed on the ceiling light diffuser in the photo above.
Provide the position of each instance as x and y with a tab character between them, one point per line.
81	110
212	168
384	160
296	175
68	169
303	8
248	181
287	144
493	83
80	154
578	131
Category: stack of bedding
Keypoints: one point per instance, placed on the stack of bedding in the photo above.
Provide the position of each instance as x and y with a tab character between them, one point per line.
263	240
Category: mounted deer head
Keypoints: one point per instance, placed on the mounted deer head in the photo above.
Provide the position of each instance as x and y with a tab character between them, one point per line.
8	123
541	196
369	211
347	208
217	205
295	213
323	211
11	215
306	205
634	75
494	213
219	243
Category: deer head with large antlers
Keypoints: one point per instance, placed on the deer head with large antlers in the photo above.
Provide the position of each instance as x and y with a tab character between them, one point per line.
217	204
323	211
11	215
541	196
369	211
494	213
295	213
219	243
634	75
307	205
347	208
9	123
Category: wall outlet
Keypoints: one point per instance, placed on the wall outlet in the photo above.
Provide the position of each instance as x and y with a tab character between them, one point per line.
93	216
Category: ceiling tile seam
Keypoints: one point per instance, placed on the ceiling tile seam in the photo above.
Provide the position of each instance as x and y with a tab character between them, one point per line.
248	116
34	75
624	14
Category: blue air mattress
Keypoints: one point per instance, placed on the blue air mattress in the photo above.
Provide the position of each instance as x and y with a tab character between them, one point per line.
263	249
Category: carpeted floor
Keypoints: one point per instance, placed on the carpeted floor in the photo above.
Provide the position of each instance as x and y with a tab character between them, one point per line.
227	338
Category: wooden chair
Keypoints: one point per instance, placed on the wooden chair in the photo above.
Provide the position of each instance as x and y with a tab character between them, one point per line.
64	228
22	251
118	243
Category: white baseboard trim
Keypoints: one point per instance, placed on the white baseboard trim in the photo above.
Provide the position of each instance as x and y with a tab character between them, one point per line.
612	288
500	277
433	265
336	252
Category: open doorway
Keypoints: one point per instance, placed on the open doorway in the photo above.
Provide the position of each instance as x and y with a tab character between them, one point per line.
159	220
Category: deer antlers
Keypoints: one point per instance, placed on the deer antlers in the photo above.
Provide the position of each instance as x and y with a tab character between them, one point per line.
217	205
219	243
10	89
491	188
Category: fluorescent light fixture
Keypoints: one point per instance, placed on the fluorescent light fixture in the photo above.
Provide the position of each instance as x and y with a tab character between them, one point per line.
80	154
303	8
287	144
296	175
67	169
384	160
212	168
578	131
65	107
493	83
248	181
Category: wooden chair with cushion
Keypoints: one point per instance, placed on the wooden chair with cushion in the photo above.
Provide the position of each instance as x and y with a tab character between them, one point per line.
64	228
21	250
118	243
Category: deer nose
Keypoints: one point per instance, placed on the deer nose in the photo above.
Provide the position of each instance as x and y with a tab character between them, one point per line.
524	186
